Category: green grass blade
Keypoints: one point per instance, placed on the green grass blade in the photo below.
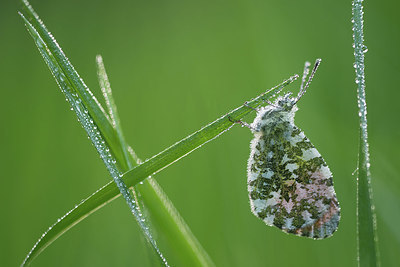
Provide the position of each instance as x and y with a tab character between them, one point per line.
367	237
77	88
164	216
197	139
110	192
53	55
112	110
94	134
89	111
77	84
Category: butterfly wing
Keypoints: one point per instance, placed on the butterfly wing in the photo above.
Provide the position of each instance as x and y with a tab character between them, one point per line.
290	185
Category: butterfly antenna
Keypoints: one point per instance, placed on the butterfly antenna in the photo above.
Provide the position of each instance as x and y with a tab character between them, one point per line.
303	87
306	71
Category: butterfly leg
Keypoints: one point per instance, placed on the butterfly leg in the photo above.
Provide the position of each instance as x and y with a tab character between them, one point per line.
247	105
244	124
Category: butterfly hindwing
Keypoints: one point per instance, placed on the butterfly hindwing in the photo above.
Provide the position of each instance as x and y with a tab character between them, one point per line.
290	185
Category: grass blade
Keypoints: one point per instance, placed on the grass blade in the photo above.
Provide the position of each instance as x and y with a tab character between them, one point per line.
112	110
166	218
109	192
367	237
94	134
77	85
54	56
77	91
196	140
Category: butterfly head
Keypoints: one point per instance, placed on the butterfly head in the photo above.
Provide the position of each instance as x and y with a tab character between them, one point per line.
286	103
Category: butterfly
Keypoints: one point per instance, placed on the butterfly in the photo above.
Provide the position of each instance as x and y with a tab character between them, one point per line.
289	183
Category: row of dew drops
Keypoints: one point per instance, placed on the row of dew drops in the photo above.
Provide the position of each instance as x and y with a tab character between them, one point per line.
95	136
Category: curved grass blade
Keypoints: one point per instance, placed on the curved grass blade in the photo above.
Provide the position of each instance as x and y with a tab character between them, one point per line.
112	110
98	115
95	136
367	234
166	214
103	196
77	84
110	192
151	197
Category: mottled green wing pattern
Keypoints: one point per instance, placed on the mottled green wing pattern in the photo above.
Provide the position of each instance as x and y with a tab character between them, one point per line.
290	185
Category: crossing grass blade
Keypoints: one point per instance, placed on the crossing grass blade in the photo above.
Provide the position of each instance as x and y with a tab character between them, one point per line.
155	200
150	196
72	92
91	128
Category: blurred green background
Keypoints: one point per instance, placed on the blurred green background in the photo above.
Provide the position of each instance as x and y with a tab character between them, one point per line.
174	66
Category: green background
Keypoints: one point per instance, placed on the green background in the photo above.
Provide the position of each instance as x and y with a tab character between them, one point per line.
175	66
